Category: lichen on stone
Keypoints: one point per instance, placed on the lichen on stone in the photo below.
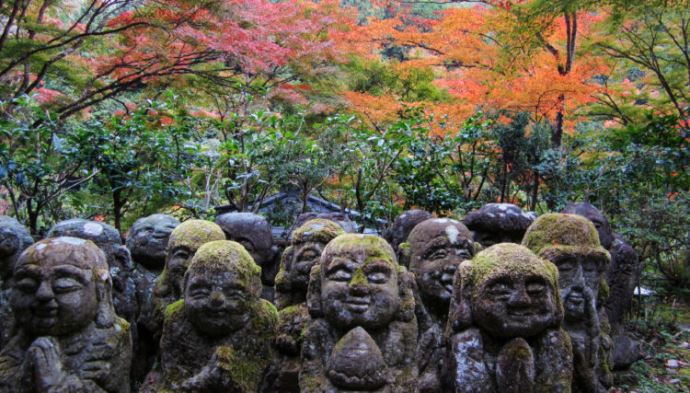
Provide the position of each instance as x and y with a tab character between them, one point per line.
512	260
356	243
317	230
227	255
194	233
557	229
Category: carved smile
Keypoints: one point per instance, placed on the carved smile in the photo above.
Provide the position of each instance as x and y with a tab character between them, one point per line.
46	312
357	304
521	312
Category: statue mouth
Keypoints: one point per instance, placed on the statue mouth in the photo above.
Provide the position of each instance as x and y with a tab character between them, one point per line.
522	312
46	312
357	304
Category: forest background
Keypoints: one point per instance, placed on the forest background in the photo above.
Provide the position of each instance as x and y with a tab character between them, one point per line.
115	109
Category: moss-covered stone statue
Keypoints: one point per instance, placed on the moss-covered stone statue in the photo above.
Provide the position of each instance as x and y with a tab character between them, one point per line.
571	242
363	332
14	238
504	325
218	337
498	223
622	276
184	241
108	239
254	233
436	248
68	337
398	232
307	244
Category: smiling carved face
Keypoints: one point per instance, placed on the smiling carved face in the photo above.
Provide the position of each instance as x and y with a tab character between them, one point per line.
514	306
54	289
359	282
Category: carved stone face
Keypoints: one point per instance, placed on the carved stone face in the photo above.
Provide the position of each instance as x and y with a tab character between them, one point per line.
514	306
509	291
54	289
579	276
498	223
359	282
250	230
600	222
148	239
571	243
308	242
437	247
184	241
221	285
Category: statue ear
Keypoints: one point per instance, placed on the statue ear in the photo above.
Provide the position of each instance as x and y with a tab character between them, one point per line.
314	292
105	314
404	254
460	310
406	288
477	248
123	258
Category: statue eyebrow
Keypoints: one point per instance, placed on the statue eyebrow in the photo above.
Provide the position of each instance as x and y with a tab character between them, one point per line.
28	270
70	270
338	263
378	266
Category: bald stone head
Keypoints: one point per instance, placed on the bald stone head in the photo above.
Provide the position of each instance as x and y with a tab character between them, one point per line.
147	239
14	238
252	231
601	223
498	223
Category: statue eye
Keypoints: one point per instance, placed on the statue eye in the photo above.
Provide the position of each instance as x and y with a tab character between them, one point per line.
199	293
66	285
462	253
499	291
235	293
340	275
308	255
27	285
377	277
181	254
439	254
536	288
566	266
247	245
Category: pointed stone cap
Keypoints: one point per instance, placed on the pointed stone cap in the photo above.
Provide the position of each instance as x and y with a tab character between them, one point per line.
357	363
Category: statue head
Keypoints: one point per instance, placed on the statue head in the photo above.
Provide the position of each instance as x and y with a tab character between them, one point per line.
308	242
184	241
341	219
403	225
61	285
507	291
252	231
498	223
221	287
105	236
593	214
571	242
359	283
147	239
437	247
14	238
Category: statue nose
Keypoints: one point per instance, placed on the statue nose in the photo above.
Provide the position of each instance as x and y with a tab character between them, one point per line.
519	297
359	284
217	298
44	292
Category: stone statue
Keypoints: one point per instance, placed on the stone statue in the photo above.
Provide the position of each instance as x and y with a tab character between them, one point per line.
147	240
622	277
184	241
571	242
68	337
363	331
218	337
254	233
14	238
339	218
307	244
401	228
108	239
504	325
498	223
437	246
